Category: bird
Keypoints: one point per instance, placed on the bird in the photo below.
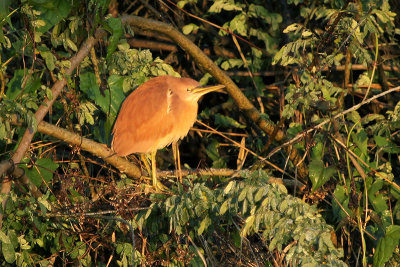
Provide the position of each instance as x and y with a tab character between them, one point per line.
159	112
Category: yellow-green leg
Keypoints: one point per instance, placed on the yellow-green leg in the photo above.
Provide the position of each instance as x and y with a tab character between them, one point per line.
145	160
177	159
157	184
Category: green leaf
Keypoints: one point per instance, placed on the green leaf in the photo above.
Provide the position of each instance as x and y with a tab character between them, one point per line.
212	150
3	131
229	187
14	86
187	29
51	12
387	245
378	201
117	31
182	3
306	34
228	5
248	224
43	170
343	199
354	116
228	122
237	239
224	207
71	44
319	174
109	102
4	17
231	63
361	140
239	24
260	193
203	225
4	8
7	248
291	28
386	144
115	82
49	58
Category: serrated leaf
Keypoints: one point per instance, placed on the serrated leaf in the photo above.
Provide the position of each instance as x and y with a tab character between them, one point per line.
354	116
239	24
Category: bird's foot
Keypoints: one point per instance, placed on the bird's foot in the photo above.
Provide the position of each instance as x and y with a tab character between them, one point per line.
159	187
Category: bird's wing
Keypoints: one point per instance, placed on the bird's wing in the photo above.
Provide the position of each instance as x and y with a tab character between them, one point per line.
144	124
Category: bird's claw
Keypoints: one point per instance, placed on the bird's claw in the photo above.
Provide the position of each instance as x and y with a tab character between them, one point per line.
159	187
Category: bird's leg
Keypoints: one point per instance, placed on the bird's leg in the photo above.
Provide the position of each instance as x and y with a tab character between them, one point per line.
177	159
157	185
145	161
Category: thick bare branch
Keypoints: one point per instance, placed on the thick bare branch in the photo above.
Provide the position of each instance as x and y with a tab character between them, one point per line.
97	149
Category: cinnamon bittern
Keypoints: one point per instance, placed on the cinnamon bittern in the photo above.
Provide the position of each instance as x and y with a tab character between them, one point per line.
156	114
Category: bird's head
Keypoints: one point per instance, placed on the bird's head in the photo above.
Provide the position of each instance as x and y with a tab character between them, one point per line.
191	90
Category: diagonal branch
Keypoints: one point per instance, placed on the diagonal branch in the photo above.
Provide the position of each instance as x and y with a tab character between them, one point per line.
46	105
97	149
340	114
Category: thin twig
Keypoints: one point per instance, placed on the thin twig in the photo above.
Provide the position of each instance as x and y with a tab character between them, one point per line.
353	108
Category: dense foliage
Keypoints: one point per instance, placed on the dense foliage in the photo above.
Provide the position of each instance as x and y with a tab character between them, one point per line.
323	73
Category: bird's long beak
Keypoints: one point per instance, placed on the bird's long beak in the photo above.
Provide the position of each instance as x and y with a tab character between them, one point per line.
202	90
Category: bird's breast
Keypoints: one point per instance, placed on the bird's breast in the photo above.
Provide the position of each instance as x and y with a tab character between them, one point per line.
181	115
